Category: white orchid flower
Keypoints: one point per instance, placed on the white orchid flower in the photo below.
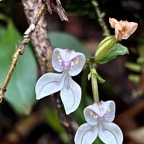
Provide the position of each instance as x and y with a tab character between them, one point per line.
99	117
69	63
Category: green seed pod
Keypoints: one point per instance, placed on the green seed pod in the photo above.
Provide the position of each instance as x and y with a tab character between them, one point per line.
105	45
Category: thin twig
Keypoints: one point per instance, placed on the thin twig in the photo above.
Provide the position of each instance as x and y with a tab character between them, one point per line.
19	51
101	18
56	7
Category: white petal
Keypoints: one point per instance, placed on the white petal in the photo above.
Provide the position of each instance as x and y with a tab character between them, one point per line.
110	114
110	133
66	54
55	60
86	134
78	66
70	95
89	116
48	84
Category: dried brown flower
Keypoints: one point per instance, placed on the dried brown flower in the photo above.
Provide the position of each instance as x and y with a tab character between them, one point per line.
123	29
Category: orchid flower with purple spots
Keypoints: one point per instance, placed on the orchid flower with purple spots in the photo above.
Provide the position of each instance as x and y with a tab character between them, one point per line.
68	63
99	117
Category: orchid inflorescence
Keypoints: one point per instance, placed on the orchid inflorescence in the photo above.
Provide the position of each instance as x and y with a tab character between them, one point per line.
68	63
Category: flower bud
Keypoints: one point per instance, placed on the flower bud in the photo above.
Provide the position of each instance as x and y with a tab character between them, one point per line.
105	45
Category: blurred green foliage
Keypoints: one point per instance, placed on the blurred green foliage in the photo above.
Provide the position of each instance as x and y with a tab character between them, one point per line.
79	7
53	121
20	91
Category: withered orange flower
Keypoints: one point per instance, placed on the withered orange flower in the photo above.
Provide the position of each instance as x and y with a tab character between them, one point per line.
123	29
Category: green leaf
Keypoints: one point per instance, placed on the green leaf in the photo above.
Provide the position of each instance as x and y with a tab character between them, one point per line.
100	79
97	76
20	92
64	40
133	66
115	51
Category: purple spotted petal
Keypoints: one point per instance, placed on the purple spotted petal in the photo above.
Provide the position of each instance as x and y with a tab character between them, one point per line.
110	114
79	62
102	111
70	95
90	115
66	54
86	134
48	84
64	59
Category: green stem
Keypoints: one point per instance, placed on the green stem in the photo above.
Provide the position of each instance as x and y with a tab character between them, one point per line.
94	83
